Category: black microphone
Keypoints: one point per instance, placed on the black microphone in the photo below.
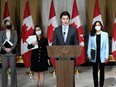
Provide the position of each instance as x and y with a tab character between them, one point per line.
64	33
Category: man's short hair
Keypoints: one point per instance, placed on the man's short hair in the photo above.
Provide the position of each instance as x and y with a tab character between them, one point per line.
65	13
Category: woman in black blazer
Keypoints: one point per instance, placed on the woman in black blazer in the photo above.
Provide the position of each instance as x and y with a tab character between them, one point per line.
39	60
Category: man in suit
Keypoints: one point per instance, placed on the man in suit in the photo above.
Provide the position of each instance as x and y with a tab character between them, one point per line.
8	53
65	34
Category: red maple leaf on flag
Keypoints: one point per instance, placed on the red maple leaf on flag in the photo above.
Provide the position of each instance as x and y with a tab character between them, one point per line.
80	33
74	24
26	33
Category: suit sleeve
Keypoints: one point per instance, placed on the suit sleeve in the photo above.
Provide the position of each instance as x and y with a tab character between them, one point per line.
107	47
76	42
89	47
54	41
15	40
46	48
1	43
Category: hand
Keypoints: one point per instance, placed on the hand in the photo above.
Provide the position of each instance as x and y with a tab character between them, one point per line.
49	62
90	58
106	60
35	43
7	50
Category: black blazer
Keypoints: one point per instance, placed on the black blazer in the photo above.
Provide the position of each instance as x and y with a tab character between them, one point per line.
72	37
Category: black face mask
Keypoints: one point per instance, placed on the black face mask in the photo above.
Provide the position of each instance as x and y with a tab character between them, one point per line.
8	26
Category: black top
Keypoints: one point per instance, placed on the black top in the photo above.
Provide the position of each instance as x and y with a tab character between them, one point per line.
39	56
98	40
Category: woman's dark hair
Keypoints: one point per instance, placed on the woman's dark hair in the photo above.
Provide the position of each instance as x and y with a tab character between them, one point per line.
34	33
65	13
93	30
5	21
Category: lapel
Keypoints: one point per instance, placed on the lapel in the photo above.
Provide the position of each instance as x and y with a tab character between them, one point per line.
61	34
4	34
94	40
102	36
11	34
101	42
68	35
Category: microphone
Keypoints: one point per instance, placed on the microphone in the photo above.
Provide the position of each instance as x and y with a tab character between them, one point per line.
64	33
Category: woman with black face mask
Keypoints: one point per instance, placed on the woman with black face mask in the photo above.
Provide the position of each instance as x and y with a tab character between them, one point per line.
9	26
8	41
39	58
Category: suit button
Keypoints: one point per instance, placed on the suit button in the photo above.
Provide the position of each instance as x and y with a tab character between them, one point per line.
38	60
40	47
39	50
39	53
39	57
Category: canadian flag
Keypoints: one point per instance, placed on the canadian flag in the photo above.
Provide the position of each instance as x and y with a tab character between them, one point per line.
27	30
51	26
6	15
97	14
114	41
76	23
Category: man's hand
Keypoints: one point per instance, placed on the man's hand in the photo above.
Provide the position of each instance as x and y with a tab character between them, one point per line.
106	60
49	62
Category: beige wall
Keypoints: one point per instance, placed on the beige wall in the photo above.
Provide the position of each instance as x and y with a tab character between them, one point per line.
108	10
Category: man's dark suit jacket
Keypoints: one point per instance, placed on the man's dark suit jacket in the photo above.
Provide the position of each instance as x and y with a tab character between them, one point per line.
72	37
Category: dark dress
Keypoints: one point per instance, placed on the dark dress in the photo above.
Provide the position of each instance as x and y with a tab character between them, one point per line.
39	56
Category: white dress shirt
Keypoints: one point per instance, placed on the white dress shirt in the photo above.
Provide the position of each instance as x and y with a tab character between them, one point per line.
65	32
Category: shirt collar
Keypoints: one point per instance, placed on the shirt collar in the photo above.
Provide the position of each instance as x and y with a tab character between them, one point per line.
65	26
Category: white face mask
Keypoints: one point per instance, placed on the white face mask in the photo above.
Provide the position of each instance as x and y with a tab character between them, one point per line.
38	32
98	28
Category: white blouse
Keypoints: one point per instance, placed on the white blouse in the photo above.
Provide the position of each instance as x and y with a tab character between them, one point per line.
8	35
